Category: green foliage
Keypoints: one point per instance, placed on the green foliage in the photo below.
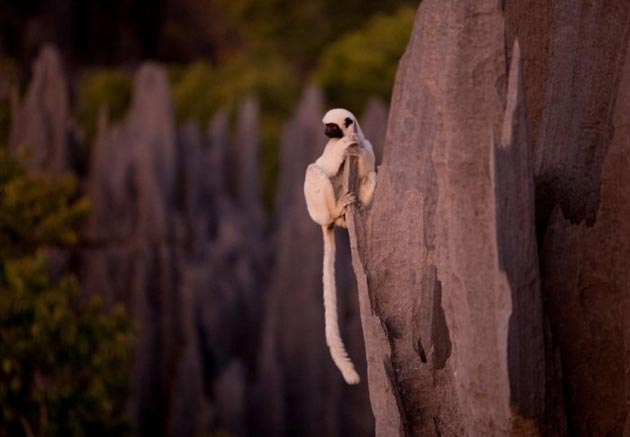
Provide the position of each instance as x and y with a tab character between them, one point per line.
35	211
103	90
200	90
63	362
363	63
298	31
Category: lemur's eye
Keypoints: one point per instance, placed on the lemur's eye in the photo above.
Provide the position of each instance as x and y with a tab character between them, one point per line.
348	121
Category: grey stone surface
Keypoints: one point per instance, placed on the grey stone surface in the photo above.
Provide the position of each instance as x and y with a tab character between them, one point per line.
40	124
577	63
245	156
449	248
515	233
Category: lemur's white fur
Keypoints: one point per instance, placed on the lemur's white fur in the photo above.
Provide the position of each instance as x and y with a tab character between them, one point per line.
327	206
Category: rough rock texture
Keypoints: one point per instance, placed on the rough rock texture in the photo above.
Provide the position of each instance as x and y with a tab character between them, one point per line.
581	200
492	266
40	123
445	378
301	391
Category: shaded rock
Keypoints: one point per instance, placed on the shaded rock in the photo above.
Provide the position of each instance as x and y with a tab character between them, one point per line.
133	259
514	204
218	134
577	65
231	400
245	156
133	170
40	123
191	410
196	196
579	68
189	261
587	290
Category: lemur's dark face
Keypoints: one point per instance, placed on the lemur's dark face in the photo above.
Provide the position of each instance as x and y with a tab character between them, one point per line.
333	131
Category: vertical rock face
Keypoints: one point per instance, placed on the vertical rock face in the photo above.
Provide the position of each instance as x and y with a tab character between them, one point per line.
580	83
302	393
245	156
40	123
496	260
514	206
433	230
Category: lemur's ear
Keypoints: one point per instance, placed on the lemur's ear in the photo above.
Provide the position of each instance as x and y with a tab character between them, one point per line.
348	121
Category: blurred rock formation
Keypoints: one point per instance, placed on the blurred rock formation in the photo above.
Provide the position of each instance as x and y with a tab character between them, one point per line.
40	124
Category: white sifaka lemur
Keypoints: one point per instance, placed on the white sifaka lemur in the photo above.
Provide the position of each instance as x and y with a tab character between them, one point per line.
327	206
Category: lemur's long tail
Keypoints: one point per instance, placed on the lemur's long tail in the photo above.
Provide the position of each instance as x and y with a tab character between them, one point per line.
333	339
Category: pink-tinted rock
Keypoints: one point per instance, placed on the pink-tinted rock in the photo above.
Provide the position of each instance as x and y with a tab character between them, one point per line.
40	124
449	248
575	57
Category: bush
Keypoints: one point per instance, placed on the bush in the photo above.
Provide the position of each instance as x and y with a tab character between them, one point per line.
363	64
64	363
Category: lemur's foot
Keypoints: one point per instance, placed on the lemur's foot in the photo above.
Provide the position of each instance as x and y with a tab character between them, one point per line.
347	199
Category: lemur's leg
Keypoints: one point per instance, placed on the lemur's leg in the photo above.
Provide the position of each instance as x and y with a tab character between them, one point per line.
366	189
322	206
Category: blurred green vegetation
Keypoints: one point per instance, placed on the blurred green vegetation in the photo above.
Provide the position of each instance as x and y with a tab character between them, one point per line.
99	90
363	63
298	31
64	361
